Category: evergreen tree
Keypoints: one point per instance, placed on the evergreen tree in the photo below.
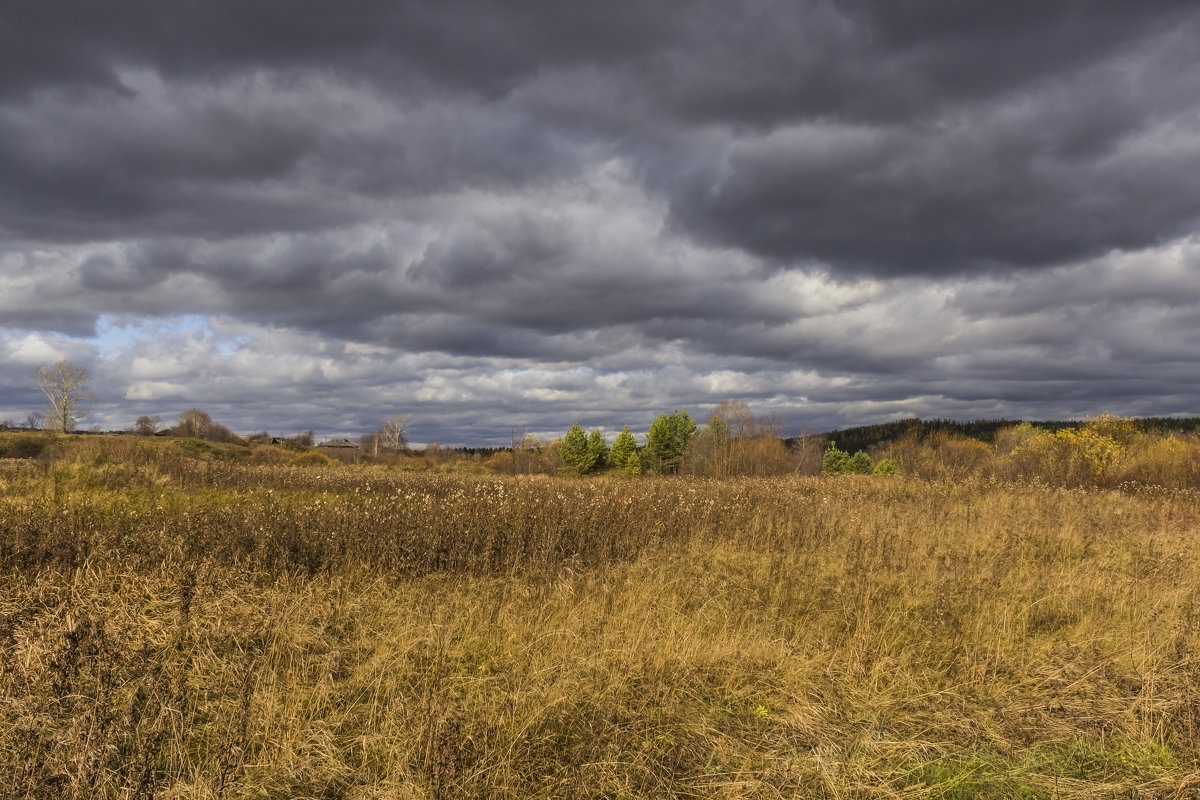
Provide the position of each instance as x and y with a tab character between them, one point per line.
574	449
623	447
860	463
667	441
597	450
633	464
835	461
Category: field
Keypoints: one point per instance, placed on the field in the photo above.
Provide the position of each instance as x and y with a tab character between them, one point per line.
185	627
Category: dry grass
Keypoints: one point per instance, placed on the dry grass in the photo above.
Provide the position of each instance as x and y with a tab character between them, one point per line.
176	628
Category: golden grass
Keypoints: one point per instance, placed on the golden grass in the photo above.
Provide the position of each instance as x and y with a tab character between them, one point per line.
212	630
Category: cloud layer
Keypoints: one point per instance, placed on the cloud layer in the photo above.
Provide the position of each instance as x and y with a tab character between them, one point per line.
296	216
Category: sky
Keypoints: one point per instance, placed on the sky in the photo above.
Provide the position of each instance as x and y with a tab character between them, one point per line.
310	215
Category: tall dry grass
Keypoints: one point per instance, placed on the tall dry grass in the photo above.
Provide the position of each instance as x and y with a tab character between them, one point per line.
205	629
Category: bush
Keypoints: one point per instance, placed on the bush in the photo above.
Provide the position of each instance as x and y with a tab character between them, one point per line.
887	466
1172	461
1102	451
1076	456
838	462
1088	451
197	424
311	458
943	455
23	445
835	461
860	463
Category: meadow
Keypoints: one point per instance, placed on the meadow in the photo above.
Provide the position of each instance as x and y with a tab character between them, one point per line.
175	624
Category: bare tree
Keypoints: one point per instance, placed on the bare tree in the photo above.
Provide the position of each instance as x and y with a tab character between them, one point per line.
146	426
194	423
65	386
736	442
529	451
807	449
198	424
393	435
34	421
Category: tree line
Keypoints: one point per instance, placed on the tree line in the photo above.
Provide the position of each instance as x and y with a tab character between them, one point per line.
730	441
1103	450
66	388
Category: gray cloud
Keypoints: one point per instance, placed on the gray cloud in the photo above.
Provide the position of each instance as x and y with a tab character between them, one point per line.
304	216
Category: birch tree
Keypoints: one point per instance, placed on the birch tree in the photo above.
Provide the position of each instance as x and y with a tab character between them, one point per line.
66	387
393	436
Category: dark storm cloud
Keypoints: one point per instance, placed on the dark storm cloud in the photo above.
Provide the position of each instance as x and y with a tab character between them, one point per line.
842	209
479	46
1066	168
875	61
931	140
246	156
